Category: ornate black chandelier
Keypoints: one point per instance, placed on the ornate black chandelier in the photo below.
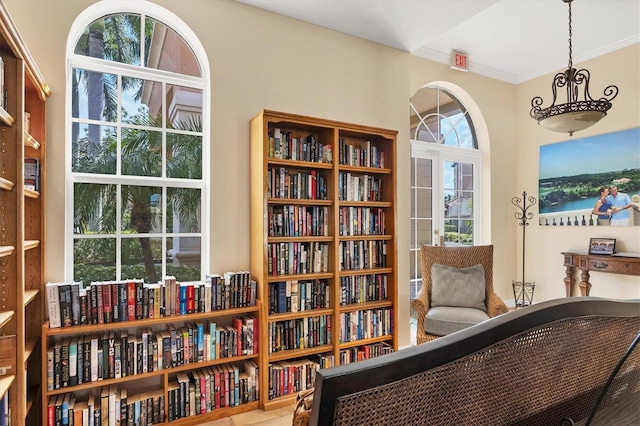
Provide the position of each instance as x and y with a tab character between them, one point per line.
575	114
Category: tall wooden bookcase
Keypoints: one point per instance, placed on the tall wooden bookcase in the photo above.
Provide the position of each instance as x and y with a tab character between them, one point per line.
323	246
22	136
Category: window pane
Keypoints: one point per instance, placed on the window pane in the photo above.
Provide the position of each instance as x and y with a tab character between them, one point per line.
142	258
113	38
94	259
424	201
465	134
141	209
94	95
183	258
424	172
94	207
424	232
184	156
139	106
183	210
94	148
184	108
168	51
141	152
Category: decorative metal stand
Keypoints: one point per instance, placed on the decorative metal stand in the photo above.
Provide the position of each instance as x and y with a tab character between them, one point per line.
522	290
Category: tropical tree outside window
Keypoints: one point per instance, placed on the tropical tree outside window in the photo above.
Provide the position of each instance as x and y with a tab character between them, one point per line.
138	151
445	177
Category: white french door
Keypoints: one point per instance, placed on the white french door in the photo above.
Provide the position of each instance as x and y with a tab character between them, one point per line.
445	200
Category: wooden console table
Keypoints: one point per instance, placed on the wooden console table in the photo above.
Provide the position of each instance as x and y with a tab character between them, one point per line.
596	262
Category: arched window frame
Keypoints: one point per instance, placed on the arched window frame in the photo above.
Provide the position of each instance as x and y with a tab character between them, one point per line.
151	10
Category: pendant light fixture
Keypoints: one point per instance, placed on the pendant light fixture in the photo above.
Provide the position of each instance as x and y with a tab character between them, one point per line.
579	112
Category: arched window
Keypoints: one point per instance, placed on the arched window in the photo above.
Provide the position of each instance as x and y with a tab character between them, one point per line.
137	146
445	175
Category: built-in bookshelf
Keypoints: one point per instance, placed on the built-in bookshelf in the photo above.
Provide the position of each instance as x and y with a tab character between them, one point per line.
23	95
323	247
127	351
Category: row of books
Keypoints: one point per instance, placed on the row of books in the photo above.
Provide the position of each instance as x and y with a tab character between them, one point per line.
111	406
363	288
361	221
301	185
70	303
32	173
298	258
367	324
290	377
283	145
297	296
298	221
299	333
119	353
360	353
362	254
364	154
352	187
207	389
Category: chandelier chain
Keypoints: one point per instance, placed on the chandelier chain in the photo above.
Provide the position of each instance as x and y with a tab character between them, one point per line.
570	34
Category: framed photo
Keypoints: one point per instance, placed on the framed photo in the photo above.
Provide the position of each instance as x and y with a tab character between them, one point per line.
602	246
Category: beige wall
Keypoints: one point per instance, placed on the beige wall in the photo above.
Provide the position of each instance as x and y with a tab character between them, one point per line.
544	244
260	60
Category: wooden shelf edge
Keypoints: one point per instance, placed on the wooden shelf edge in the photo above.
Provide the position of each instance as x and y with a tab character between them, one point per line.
279	402
300	277
31	244
5	384
299	353
6	250
6	184
90	328
6	117
301	164
5	317
29	193
375	304
284	316
216	414
29	348
29	295
30	141
362	342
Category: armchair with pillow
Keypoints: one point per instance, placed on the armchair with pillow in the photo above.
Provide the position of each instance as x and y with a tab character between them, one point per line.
457	290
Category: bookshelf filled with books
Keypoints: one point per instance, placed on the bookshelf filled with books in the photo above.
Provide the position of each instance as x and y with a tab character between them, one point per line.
323	246
137	353
23	95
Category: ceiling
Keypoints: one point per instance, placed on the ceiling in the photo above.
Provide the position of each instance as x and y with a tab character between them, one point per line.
509	40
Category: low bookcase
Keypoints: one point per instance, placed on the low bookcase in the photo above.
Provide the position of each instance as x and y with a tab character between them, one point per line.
162	384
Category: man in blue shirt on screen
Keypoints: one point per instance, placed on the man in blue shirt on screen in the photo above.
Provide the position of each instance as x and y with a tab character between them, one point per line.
620	203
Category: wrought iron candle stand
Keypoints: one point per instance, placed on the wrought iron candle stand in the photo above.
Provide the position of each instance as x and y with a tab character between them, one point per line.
522	290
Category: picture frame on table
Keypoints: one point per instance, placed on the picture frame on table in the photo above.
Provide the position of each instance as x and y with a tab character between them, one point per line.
606	246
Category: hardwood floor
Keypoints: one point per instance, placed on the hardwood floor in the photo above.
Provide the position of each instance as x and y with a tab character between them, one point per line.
279	417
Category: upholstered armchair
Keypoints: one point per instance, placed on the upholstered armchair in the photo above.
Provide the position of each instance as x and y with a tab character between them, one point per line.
451	295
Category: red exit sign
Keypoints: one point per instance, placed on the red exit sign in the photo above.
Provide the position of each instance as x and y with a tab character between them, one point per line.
459	60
